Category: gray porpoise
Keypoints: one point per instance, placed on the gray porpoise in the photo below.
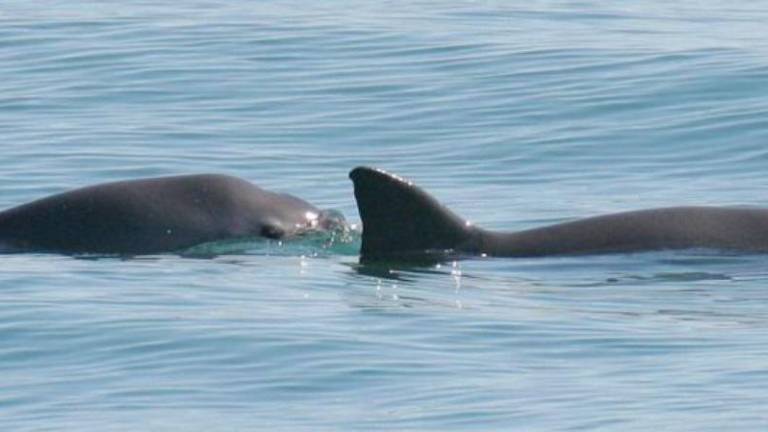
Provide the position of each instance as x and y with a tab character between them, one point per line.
401	221
157	215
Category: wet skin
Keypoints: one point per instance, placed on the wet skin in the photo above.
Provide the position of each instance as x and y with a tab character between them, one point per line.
156	215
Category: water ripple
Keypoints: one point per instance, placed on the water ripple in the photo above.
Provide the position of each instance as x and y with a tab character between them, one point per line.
515	115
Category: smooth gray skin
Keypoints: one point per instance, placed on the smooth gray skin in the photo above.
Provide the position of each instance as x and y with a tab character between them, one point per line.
154	215
401	221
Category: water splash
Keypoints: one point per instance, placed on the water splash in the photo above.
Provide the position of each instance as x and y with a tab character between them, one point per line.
342	239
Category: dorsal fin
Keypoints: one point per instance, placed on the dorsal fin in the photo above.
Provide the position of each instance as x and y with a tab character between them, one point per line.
400	220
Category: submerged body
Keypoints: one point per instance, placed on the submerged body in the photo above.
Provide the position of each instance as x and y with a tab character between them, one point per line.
156	215
401	221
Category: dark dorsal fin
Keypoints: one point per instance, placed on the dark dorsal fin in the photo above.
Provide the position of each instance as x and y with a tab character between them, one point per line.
400	220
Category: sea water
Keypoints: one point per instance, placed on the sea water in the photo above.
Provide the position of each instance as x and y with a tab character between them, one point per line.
514	114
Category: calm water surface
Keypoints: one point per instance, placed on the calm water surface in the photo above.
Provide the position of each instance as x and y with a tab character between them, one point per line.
515	115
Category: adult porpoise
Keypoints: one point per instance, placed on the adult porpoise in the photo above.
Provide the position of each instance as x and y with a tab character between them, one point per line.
401	221
157	215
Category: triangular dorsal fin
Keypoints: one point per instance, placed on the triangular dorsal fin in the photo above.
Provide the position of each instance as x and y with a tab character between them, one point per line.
401	220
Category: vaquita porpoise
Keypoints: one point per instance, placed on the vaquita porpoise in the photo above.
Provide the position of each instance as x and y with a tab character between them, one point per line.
401	221
157	215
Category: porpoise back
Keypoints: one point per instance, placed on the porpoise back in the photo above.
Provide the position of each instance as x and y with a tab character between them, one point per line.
401	221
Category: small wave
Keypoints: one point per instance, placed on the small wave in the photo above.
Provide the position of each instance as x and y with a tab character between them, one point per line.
344	241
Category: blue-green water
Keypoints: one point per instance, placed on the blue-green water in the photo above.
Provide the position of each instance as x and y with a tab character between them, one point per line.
515	114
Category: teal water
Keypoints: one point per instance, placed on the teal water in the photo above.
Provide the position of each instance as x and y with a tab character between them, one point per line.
514	115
